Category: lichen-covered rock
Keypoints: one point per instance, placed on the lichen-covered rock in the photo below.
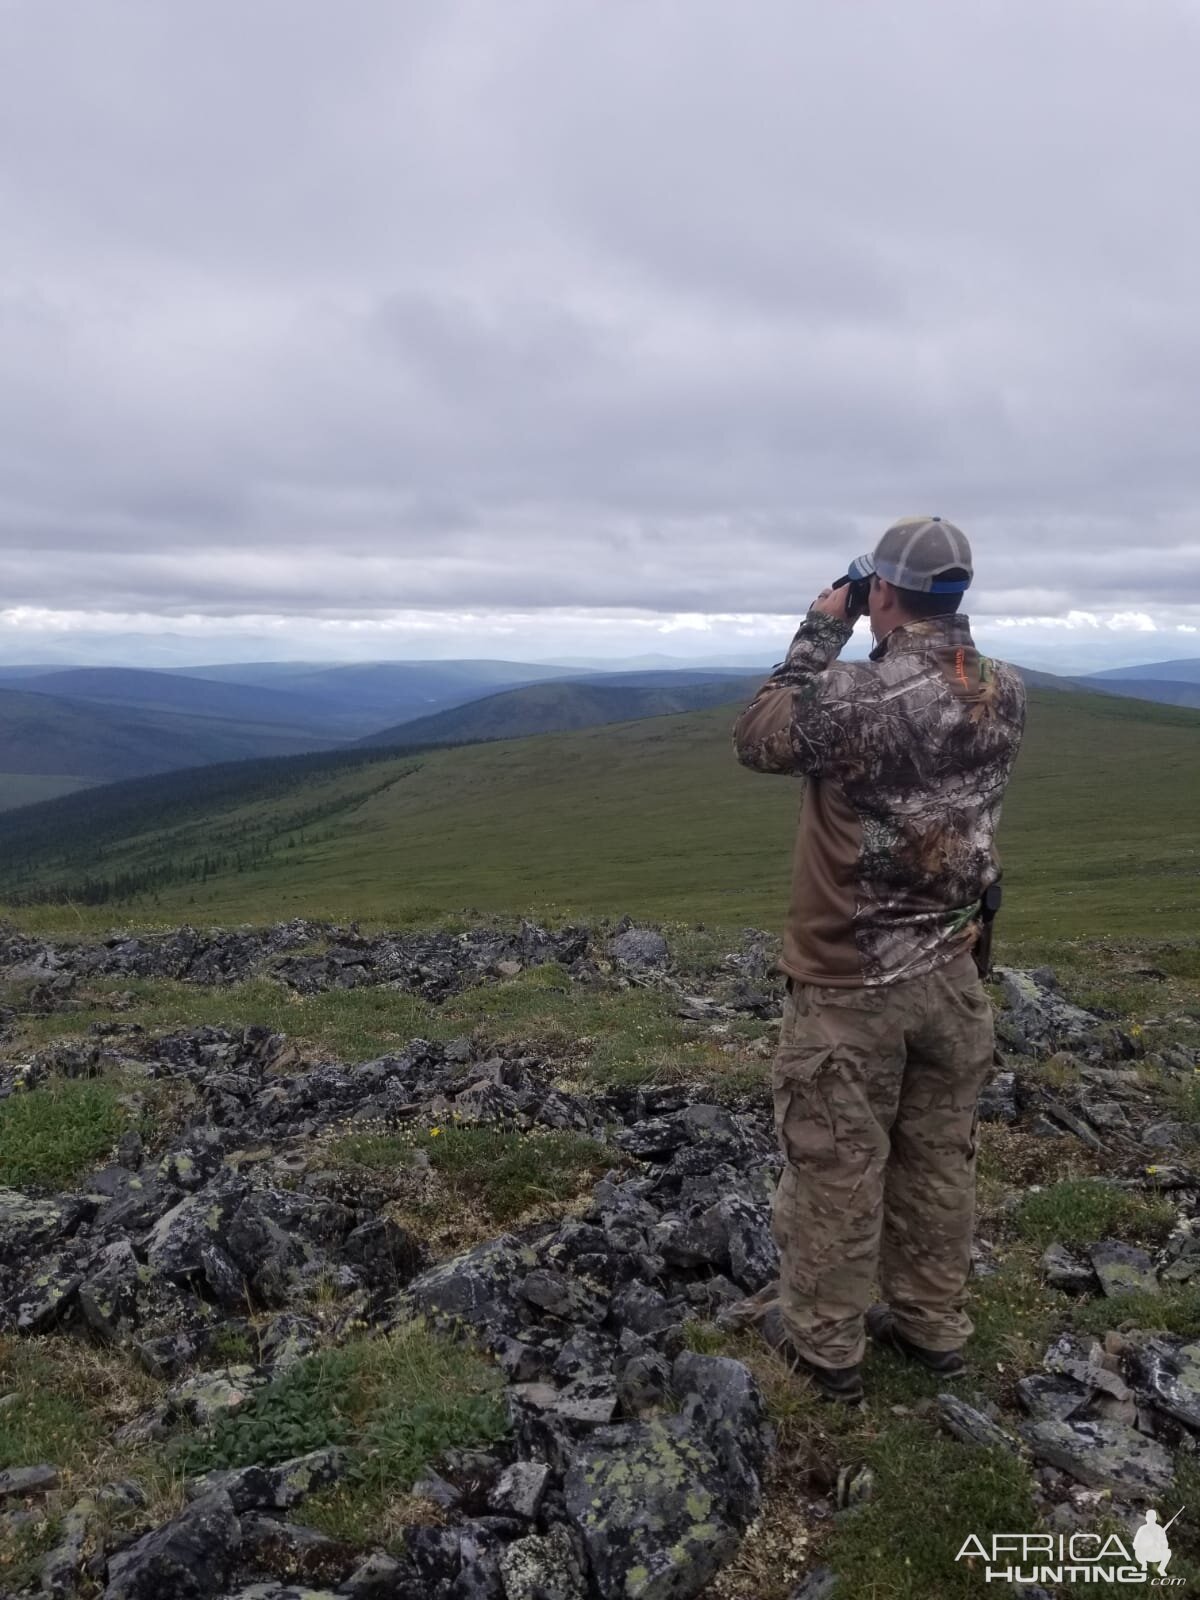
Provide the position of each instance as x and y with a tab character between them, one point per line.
189	1558
46	1294
1169	1374
108	1296
481	1287
280	1488
722	1402
1103	1455
1039	1021
563	1295
28	1226
125	1201
587	1401
648	1499
203	1398
543	1567
175	1244
1123	1268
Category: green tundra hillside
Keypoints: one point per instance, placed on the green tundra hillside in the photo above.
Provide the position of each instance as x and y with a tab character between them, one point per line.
1101	831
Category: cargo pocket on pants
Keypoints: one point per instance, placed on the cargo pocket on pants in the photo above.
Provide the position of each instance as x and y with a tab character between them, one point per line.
805	1121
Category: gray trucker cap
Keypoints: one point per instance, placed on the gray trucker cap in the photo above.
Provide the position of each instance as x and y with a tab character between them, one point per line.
915	552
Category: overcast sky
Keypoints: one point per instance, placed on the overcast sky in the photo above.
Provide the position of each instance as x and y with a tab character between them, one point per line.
542	327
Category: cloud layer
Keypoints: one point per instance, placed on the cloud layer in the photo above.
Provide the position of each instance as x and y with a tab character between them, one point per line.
373	312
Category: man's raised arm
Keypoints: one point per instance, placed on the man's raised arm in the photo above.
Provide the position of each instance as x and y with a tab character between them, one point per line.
787	728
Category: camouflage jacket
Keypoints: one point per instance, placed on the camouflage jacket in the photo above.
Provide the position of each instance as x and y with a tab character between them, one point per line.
907	756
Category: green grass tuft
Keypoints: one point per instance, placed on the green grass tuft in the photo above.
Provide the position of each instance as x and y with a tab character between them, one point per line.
930	1493
1083	1210
396	1403
1173	1311
51	1135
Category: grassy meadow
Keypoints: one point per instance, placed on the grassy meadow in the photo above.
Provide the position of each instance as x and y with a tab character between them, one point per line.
1100	835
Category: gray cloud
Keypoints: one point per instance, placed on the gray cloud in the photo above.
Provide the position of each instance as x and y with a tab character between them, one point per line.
342	311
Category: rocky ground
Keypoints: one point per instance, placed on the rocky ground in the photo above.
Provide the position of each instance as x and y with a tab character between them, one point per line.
279	1342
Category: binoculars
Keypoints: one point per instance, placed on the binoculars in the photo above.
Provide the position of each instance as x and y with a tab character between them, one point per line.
859	597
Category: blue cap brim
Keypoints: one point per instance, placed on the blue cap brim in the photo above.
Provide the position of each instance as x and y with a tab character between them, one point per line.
861	567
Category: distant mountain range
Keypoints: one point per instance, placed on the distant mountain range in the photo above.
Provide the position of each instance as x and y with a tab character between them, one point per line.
63	727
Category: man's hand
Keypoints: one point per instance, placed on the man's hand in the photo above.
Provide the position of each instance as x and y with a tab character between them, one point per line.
832	602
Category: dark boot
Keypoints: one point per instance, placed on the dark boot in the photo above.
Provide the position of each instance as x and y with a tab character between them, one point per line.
831	1383
761	1312
881	1325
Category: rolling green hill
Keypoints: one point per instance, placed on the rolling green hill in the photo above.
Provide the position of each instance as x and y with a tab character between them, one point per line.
43	735
1101	831
559	708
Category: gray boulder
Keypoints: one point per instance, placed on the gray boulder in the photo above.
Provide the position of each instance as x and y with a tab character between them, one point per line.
481	1287
648	1499
723	1404
1123	1268
1103	1455
280	1488
519	1489
29	1226
640	950
1046	1398
1063	1270
543	1567
20	1481
1040	1021
1169	1374
189	1558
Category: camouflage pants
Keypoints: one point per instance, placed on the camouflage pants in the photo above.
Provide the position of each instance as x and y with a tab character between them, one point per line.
875	1108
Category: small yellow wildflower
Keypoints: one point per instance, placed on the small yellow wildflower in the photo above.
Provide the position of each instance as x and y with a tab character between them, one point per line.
433	1132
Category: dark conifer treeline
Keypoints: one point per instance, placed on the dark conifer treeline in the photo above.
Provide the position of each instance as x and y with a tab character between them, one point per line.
56	851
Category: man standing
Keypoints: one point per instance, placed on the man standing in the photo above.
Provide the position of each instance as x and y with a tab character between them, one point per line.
887	1031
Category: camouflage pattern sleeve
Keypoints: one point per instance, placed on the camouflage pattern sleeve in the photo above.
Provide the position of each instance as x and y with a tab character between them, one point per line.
792	724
